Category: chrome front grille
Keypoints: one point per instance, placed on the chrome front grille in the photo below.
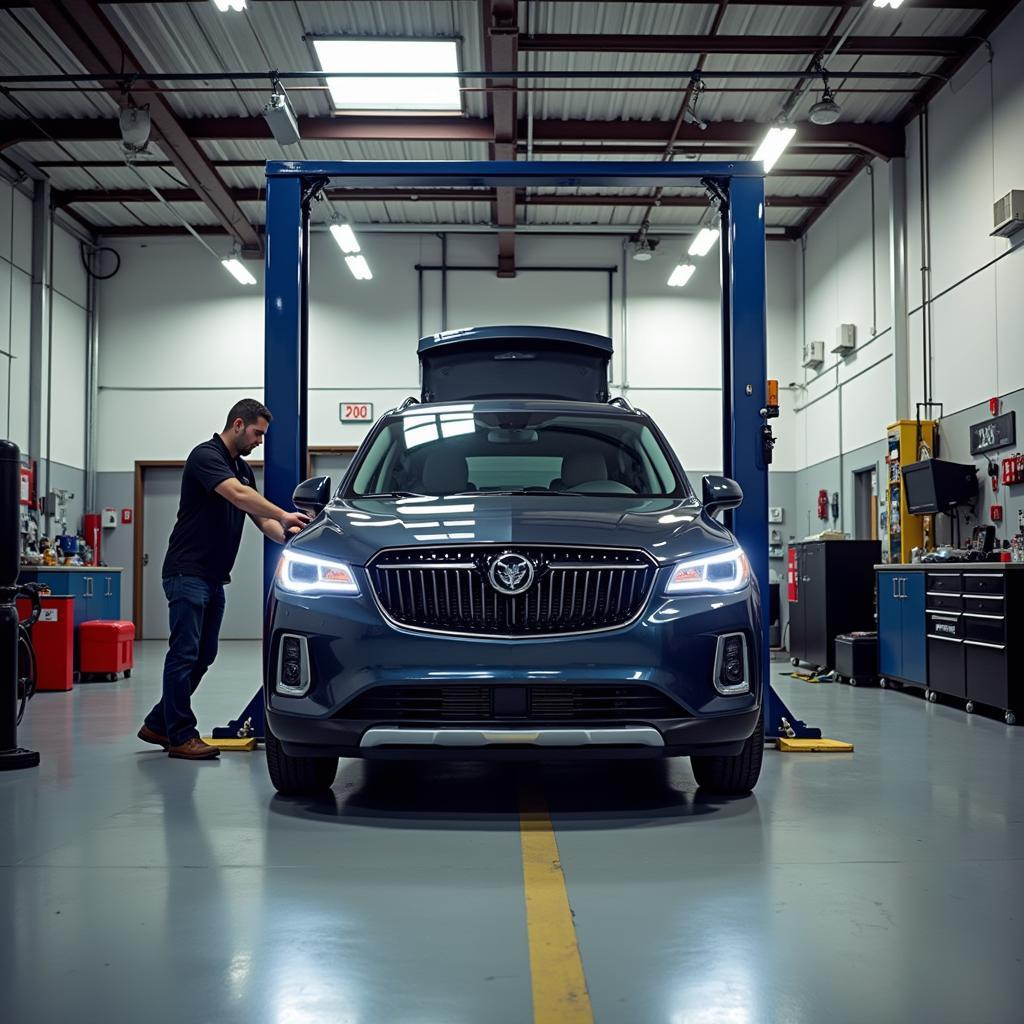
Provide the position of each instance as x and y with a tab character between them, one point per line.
573	590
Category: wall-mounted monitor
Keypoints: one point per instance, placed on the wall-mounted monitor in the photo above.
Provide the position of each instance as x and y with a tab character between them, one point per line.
937	486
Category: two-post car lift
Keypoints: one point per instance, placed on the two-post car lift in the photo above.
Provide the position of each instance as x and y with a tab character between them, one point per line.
739	190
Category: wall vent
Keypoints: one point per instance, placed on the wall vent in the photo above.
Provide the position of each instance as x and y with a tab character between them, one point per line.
1008	214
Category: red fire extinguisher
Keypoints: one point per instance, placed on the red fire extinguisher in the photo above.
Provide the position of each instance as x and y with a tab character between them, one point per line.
791	577
823	504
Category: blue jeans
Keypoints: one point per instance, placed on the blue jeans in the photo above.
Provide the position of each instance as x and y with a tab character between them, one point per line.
197	609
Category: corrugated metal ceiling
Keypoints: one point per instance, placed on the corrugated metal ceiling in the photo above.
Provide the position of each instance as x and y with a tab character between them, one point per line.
195	38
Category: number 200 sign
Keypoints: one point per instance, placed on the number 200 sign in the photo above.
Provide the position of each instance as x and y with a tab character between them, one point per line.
355	412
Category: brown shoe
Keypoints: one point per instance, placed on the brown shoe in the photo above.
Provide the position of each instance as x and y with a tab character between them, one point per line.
194	749
147	735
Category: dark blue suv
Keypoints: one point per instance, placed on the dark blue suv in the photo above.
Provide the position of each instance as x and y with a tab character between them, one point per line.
514	567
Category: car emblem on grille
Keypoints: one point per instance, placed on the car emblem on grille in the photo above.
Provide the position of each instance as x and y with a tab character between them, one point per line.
511	574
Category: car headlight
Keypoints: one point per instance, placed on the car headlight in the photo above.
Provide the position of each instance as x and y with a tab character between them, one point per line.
305	574
721	573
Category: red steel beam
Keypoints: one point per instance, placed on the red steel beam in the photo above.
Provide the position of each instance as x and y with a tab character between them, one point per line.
85	30
500	19
874	46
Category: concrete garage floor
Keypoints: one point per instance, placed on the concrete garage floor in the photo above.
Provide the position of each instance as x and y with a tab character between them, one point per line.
886	885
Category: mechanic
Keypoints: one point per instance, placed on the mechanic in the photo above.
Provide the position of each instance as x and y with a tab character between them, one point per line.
218	489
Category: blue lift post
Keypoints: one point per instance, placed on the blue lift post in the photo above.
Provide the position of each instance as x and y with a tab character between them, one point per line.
292	184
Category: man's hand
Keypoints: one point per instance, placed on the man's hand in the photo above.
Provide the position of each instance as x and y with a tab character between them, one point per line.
293	522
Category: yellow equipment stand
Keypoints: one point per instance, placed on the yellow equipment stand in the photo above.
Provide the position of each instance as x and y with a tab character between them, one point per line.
814	746
905	532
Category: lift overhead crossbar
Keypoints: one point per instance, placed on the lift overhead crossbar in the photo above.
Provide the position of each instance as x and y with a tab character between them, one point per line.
291	186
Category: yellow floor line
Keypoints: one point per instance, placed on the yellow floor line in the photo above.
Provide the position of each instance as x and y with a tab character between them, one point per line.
559	987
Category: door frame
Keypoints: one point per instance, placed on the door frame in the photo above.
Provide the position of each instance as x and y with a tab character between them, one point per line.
327	449
141	465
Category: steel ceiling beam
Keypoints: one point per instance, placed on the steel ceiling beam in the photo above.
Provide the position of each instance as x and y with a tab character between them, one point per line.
68	197
94	42
500	19
777	172
883	140
919	4
873	46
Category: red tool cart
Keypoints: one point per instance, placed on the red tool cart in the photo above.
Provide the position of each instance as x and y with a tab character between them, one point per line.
105	649
53	640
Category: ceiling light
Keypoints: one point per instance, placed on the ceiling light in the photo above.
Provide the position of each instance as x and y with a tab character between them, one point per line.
238	270
134	123
405	55
280	117
345	237
229	5
359	267
777	139
681	275
702	244
826	110
888	3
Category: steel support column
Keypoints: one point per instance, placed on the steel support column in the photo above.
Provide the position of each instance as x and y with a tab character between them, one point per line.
285	349
745	352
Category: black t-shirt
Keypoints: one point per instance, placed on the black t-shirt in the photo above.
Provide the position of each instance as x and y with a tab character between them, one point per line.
206	535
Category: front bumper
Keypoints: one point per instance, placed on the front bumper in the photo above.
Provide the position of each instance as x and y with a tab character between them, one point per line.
669	649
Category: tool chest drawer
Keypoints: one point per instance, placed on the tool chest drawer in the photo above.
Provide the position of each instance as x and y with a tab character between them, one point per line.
938	601
943	582
983	583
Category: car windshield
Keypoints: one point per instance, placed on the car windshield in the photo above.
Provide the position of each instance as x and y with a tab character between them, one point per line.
454	449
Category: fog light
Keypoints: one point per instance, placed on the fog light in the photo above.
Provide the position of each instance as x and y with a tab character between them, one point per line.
293	675
731	675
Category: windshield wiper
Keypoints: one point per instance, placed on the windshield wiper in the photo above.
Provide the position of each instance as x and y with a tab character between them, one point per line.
391	494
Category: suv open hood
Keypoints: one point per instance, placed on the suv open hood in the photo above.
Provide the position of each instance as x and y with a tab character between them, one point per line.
521	362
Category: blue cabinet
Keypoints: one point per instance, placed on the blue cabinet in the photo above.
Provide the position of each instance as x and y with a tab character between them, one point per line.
902	646
96	590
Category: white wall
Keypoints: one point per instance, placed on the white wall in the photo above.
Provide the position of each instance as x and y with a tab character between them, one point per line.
63	388
180	341
15	301
976	150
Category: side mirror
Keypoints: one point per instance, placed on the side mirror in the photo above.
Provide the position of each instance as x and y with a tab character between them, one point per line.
312	496
721	493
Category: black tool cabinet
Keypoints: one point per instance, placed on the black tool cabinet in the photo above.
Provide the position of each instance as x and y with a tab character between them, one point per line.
974	653
835	594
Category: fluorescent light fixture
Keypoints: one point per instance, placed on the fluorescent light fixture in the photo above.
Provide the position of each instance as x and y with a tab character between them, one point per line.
723	573
377	55
359	267
238	270
229	5
777	139
702	244
681	275
889	3
345	237
280	117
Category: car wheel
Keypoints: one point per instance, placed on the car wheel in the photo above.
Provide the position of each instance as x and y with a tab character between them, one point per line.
298	776
736	775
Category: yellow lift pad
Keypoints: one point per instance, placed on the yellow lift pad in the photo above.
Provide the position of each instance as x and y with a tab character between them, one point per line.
230	743
815	746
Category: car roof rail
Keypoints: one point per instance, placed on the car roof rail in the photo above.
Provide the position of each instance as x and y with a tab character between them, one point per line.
411	400
622	402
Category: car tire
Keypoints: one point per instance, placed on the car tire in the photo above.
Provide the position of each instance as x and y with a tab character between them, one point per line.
736	775
298	776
